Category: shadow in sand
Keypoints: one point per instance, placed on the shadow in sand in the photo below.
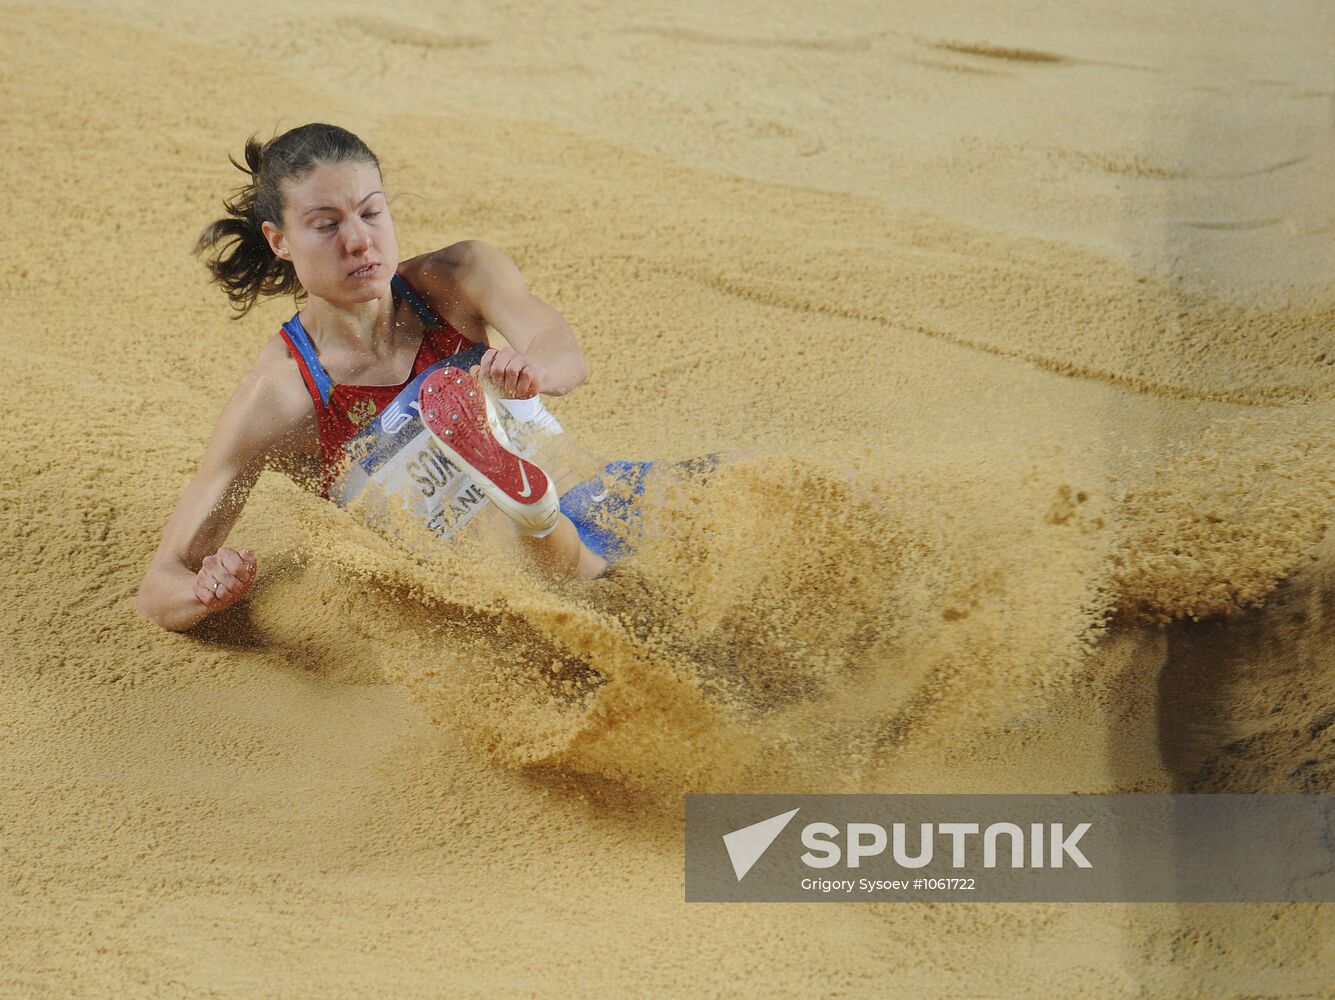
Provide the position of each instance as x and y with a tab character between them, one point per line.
235	627
1238	705
293	615
1245	704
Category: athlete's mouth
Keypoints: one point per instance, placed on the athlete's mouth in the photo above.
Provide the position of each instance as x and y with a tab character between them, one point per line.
364	272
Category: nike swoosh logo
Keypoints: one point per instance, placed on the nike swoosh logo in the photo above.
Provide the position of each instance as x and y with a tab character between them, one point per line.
599	497
523	474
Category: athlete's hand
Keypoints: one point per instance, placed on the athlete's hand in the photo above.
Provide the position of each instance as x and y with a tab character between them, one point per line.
225	578
511	374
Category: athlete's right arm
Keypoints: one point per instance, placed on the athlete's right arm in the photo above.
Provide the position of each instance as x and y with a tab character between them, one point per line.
268	422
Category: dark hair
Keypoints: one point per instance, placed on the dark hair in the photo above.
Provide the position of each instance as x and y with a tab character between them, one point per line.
240	258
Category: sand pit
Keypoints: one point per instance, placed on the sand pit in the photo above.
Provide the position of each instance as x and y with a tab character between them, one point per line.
1023	320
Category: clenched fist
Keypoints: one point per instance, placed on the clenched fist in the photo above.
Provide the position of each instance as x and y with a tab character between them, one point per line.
225	578
512	374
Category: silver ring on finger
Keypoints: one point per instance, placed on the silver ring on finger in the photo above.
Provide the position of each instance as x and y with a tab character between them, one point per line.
217	588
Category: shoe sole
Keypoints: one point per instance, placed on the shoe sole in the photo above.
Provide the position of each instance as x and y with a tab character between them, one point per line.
460	417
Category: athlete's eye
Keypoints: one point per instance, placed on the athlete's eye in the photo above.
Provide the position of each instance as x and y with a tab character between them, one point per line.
369	215
327	227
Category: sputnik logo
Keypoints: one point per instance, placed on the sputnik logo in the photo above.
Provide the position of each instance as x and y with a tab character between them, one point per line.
745	846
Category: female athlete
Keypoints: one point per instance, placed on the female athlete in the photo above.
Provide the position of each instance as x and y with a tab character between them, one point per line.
373	334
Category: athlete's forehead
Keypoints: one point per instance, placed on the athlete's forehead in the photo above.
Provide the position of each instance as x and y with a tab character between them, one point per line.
334	187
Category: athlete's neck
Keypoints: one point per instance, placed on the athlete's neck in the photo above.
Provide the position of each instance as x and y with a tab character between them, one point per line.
367	326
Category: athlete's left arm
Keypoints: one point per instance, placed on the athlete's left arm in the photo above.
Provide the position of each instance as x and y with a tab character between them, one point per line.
543	355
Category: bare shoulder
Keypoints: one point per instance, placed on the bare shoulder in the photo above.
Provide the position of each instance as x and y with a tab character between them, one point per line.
275	384
457	259
461	272
271	414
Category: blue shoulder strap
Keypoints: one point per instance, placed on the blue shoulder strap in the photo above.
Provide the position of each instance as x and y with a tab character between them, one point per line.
302	341
424	312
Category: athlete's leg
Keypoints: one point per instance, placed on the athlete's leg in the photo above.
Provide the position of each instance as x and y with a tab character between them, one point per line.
460	418
562	556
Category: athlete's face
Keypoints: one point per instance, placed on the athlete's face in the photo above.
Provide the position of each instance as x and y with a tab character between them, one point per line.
337	233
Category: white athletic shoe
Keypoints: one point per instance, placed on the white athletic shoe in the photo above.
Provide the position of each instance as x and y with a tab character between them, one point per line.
460	416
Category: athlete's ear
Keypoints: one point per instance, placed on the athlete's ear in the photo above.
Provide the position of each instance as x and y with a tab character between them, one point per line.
276	241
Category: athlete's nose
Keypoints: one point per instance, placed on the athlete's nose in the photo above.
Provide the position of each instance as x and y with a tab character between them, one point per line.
358	238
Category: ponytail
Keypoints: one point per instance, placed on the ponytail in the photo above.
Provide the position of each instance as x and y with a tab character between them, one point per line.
239	256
